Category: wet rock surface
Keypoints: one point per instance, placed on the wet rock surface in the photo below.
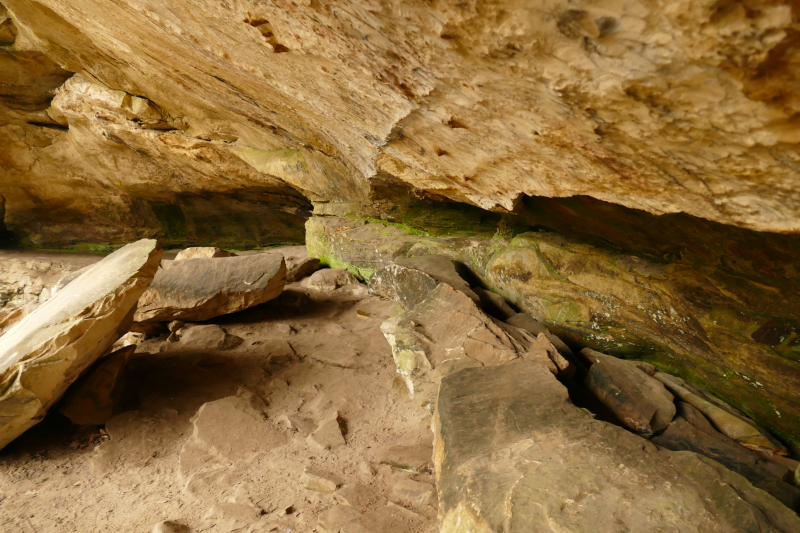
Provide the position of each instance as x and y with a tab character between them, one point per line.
679	315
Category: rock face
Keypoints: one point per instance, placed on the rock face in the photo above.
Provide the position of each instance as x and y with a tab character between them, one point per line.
199	289
678	315
508	435
481	105
45	352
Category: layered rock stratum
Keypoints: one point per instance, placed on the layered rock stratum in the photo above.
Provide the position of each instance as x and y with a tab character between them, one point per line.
661	106
627	173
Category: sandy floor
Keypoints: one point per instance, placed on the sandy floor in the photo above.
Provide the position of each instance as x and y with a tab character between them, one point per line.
238	465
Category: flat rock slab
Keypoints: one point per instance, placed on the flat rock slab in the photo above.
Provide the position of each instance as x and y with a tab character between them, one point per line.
514	455
47	351
200	289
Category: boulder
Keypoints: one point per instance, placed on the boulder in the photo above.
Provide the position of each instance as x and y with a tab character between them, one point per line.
42	355
514	455
329	279
298	267
639	401
207	252
691	431
200	289
406	286
91	400
443	333
207	337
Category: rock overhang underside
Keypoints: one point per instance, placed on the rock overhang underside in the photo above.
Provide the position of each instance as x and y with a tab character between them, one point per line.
626	172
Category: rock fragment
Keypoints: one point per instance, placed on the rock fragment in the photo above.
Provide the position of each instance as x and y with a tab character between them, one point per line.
329	279
298	267
509	442
639	401
543	351
91	400
413	492
318	481
48	350
208	337
494	304
208	252
414	459
169	526
355	495
531	325
199	289
328	434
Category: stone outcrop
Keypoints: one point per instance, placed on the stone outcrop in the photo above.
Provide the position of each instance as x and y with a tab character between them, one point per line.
199	289
699	315
513	454
48	350
666	107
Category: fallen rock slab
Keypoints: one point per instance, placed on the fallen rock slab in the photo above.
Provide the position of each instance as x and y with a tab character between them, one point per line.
199	289
42	355
640	402
514	455
208	252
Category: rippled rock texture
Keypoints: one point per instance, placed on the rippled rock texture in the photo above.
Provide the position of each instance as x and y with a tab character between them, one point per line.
662	106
